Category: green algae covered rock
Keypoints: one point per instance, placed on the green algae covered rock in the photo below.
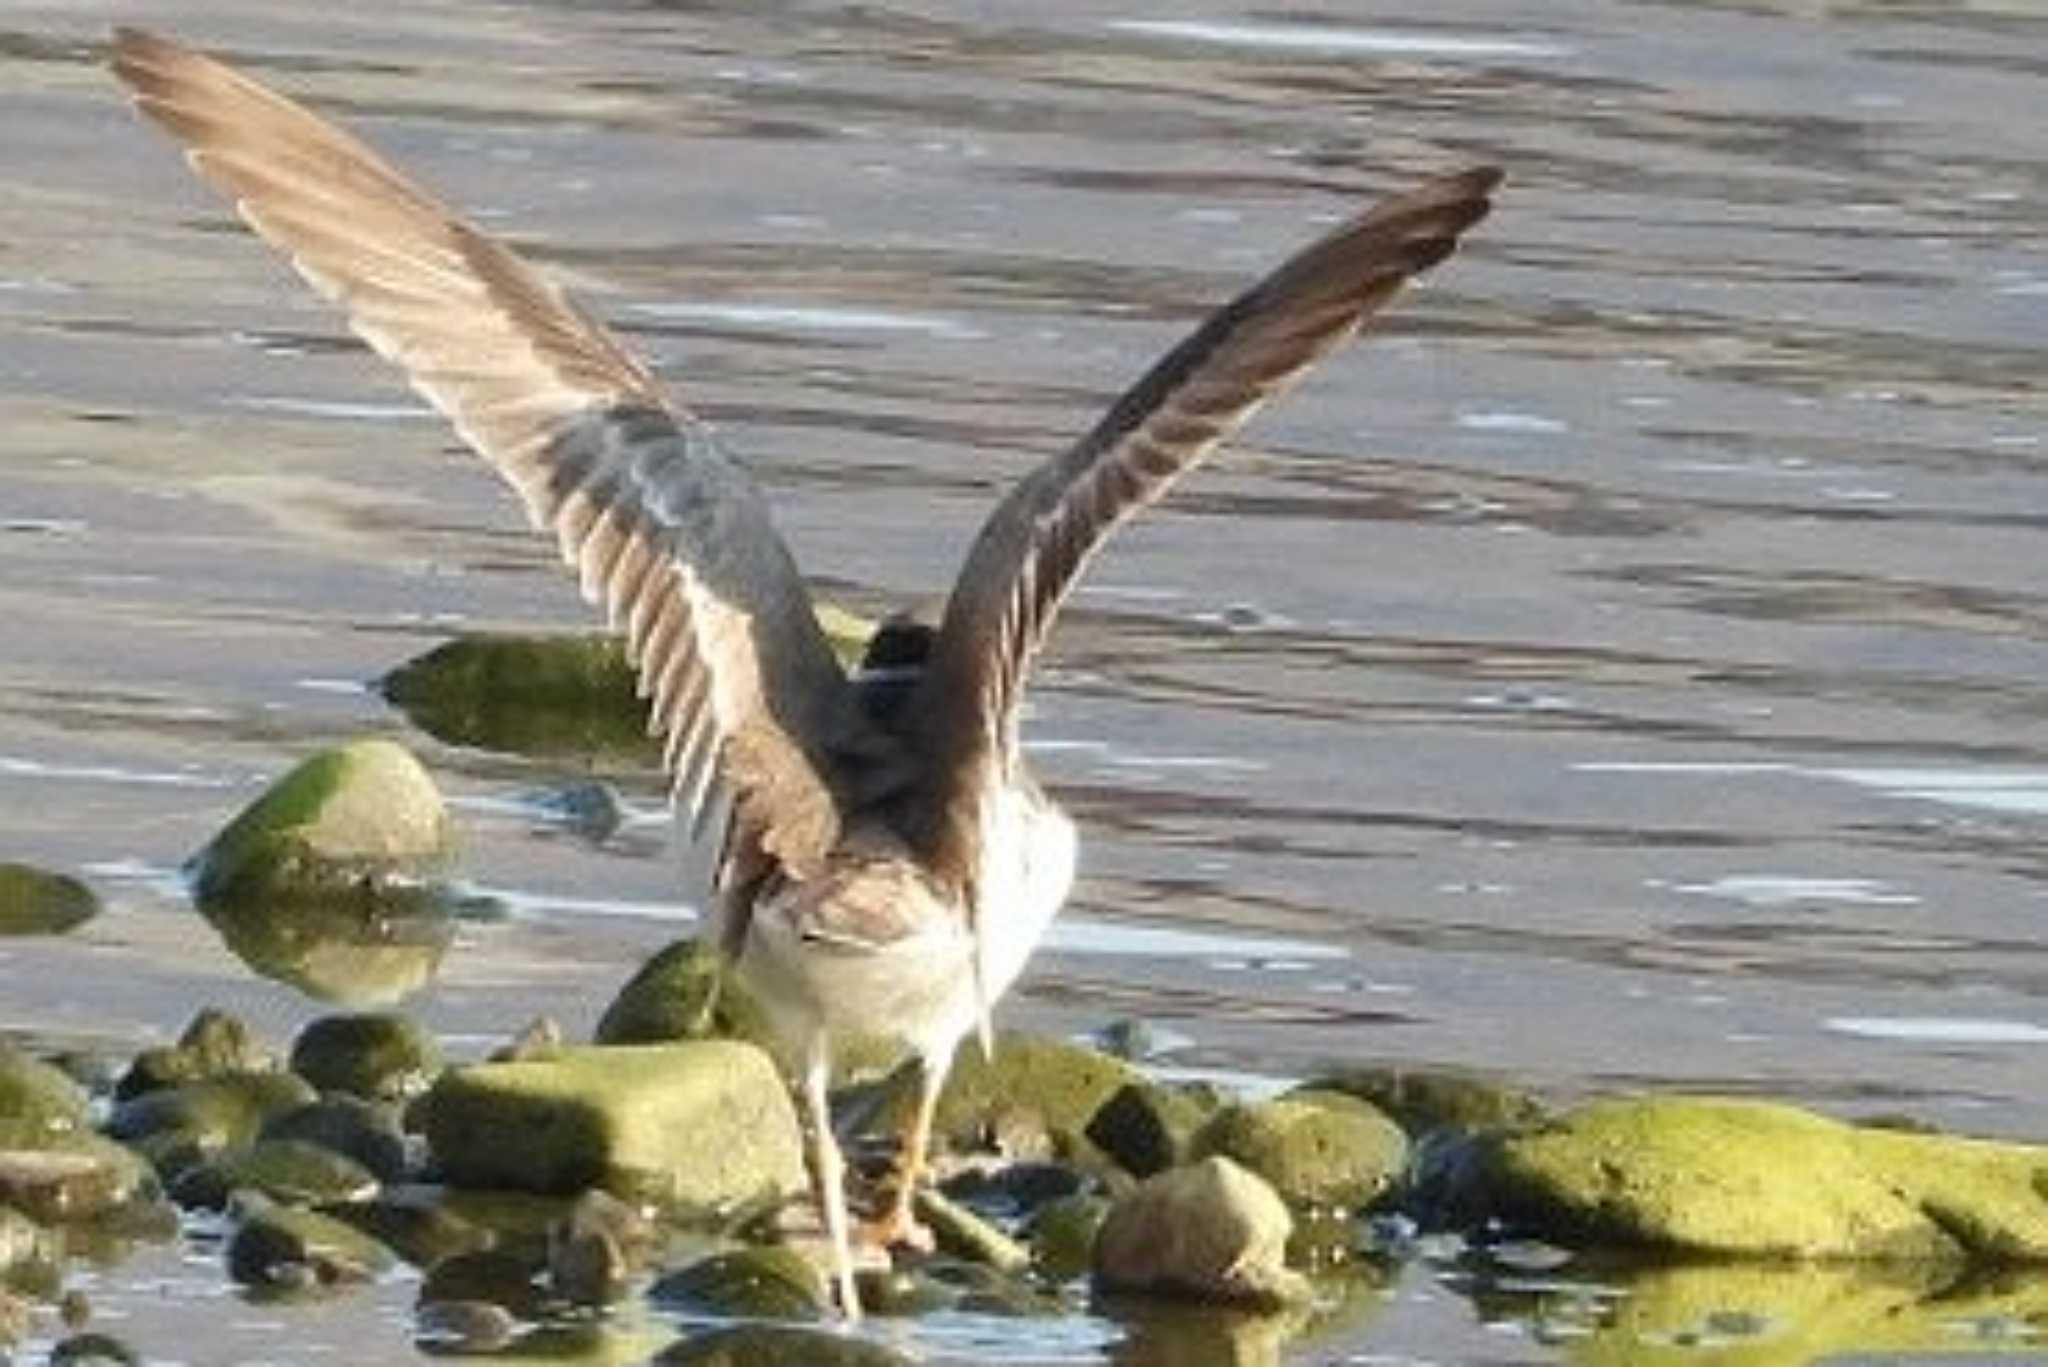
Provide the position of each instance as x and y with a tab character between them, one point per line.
353	814
699	1125
1318	1149
35	901
1211	1231
1035	1093
770	1282
1427	1100
215	1042
682	993
375	1055
1714	1176
288	1171
211	1115
39	1104
283	1249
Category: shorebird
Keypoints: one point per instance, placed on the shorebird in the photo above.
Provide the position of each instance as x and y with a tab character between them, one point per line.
888	862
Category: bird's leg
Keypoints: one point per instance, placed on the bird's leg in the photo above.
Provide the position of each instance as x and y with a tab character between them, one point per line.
899	1224
831	1174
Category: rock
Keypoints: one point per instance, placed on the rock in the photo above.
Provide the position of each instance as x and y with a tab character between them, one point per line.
1422	1101
1062	1236
280	1248
540	1038
216	1042
775	1345
488	1277
464	1328
772	1282
39	1104
1146	1128
417	1223
597	1250
377	1056
287	1171
93	1350
1212	1231
1714	1176
683	993
347	1125
82	1178
699	1124
209	1116
1316	1149
358	813
17	1316
34	901
962	1233
1034	1099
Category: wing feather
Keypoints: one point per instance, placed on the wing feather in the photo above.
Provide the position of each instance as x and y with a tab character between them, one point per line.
665	533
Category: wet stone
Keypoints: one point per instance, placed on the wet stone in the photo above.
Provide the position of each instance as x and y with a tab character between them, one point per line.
378	1056
699	1124
209	1116
93	1350
353	814
1317	1149
348	1125
1146	1127
35	901
215	1043
1425	1100
416	1223
280	1248
598	1249
288	1171
765	1282
463	1328
1062	1236
1212	1231
771	1345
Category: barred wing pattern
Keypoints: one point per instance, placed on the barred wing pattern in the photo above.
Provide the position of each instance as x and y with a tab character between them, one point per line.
1039	539
667	534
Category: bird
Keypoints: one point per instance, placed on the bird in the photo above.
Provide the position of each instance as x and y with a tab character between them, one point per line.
887	860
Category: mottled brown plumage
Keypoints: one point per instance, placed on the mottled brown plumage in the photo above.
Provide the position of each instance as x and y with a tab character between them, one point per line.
888	864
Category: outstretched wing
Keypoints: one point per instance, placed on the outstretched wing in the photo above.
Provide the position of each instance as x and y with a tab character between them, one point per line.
1037	541
669	535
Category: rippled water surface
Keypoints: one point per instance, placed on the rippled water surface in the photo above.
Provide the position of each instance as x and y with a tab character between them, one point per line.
1626	668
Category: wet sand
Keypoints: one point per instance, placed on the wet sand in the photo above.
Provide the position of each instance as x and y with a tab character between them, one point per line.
1624	669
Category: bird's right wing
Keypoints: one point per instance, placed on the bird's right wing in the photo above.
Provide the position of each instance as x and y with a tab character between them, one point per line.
669	535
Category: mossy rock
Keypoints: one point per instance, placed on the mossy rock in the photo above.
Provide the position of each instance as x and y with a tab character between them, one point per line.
1033	1099
1212	1232
1318	1149
351	815
772	1282
35	901
1717	1176
214	1043
280	1248
697	1125
82	1177
209	1116
287	1171
39	1104
375	1055
1424	1101
777	1345
364	1131
684	993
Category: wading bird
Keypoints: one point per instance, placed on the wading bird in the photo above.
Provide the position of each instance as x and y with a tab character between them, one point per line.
888	863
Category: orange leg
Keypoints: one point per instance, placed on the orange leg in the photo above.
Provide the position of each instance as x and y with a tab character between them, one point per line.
899	1225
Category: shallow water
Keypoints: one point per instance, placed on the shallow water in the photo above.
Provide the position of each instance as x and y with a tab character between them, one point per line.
1624	669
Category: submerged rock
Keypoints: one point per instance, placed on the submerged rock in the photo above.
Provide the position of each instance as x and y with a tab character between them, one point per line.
1317	1149
35	901
1211	1231
775	1345
700	1124
358	813
1703	1175
377	1056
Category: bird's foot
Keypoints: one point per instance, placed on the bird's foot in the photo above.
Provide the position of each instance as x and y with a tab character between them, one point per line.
898	1228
